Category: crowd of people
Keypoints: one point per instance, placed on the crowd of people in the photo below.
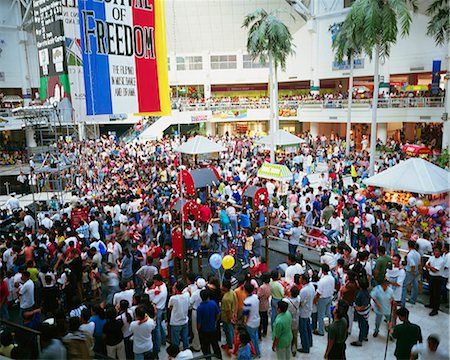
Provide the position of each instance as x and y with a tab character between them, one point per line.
99	273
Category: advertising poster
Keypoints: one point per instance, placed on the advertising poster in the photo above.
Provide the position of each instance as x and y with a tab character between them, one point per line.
124	56
48	20
230	114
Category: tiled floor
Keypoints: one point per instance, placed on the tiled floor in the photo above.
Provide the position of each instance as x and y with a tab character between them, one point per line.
373	349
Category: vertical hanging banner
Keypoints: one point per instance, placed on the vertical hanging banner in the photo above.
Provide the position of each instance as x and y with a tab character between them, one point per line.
124	55
435	78
48	22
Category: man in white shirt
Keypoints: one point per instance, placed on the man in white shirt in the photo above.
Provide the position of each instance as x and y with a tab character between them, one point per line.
435	266
114	250
336	226
26	292
94	228
195	301
424	245
12	203
179	306
430	350
142	328
158	296
396	277
292	269
124	294
294	237
251	316
324	295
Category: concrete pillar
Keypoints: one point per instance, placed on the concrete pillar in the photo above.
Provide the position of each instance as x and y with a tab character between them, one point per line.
313	28
314	129
210	128
382	132
29	136
81	130
385	77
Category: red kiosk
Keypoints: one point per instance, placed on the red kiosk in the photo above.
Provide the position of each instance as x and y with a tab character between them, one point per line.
256	195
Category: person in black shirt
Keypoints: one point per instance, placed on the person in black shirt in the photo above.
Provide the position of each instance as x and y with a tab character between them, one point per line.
49	297
407	335
113	336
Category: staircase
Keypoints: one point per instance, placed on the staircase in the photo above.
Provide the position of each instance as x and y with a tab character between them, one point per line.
155	130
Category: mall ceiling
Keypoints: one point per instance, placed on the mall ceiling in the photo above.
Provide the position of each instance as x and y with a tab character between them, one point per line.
196	25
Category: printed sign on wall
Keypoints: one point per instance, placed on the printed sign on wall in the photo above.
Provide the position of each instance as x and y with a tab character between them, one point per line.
124	56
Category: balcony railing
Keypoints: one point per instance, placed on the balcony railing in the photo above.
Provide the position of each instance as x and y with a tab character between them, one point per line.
425	102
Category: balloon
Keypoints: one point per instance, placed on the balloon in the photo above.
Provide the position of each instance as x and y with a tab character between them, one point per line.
215	261
426	202
423	210
412	201
228	262
358	197
414	214
377	192
439	208
432	210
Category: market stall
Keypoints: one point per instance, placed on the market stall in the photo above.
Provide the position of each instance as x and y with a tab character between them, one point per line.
416	150
418	193
255	196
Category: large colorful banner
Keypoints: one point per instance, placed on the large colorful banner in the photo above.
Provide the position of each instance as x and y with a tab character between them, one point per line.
124	56
435	77
48	22
230	114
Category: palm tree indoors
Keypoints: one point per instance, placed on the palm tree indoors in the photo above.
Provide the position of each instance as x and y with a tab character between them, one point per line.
269	39
376	23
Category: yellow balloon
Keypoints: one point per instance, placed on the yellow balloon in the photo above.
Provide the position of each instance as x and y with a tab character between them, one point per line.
228	262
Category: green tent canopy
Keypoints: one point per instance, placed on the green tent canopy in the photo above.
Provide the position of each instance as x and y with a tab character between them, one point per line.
275	172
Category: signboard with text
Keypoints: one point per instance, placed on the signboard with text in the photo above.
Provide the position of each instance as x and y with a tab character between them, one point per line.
48	22
124	56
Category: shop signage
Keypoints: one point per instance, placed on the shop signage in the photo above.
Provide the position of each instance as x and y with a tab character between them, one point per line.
345	65
124	56
230	114
199	118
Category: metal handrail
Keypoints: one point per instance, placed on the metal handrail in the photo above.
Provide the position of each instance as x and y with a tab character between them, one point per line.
326	103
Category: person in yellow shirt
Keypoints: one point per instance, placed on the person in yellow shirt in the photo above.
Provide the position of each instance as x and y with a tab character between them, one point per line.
353	173
34	272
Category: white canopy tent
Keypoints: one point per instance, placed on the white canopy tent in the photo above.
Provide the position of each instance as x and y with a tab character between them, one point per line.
280	138
200	145
414	175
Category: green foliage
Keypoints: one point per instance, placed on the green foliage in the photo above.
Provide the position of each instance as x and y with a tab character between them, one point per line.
268	34
375	23
443	160
439	23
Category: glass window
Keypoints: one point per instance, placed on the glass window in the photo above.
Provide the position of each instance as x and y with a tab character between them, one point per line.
189	63
250	64
223	62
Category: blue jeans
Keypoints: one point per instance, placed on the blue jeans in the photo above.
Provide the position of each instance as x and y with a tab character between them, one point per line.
196	244
410	279
314	320
332	235
234	226
304	327
253	332
229	333
246	254
323	309
143	356
273	313
178	331
292	249
160	334
378	318
363	327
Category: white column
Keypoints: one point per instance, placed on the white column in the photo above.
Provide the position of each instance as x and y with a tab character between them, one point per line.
314	129
29	136
210	128
382	132
315	46
81	130
385	77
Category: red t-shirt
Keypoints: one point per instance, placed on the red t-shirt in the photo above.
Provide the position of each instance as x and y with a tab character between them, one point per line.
205	213
4	292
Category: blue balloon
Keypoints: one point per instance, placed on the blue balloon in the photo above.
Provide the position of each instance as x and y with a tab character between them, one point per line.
215	261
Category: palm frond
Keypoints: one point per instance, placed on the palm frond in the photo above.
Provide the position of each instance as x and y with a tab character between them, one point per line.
439	23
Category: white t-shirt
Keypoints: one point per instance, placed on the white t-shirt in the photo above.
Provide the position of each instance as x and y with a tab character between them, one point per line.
88	328
291	271
158	296
336	224
180	308
142	336
329	259
27	294
398	276
425	246
424	352
325	286
437	263
251	309
94	229
445	271
123	295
